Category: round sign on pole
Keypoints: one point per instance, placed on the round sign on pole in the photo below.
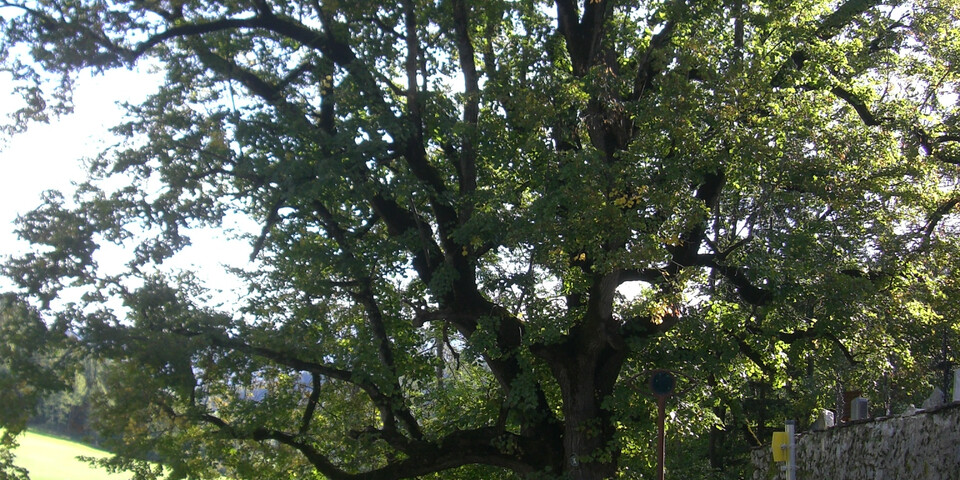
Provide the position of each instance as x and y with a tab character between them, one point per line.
663	383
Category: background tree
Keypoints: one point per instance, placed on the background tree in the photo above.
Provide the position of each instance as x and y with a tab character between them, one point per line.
36	360
451	196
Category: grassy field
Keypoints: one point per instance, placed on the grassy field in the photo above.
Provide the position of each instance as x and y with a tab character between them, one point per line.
51	458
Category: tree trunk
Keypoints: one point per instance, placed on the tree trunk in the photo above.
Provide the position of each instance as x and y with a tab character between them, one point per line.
586	377
587	436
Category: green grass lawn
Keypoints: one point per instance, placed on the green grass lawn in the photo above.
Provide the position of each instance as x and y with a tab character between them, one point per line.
51	458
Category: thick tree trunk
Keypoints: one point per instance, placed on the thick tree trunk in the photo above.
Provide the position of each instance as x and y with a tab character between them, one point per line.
586	438
586	377
586	445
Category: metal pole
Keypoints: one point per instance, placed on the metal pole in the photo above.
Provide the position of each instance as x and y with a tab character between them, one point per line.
792	458
945	366
662	383
661	451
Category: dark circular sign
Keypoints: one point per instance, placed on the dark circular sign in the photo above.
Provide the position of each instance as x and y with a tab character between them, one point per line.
663	383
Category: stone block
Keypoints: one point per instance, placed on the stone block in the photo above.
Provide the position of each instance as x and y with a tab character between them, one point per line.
859	409
824	420
934	400
956	385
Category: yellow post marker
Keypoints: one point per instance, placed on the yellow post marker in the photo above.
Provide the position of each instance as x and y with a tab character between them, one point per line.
781	446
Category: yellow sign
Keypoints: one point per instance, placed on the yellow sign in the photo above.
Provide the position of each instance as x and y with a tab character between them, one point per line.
780	445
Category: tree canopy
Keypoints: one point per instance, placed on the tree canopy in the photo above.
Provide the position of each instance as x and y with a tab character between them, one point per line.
482	223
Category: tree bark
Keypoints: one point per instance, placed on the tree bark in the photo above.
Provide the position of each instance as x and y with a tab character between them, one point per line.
586	368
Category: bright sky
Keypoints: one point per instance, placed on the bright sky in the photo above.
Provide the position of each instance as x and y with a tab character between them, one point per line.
50	157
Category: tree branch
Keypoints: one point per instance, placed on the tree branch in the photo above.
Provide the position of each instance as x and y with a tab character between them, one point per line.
646	68
583	35
471	108
386	404
647	275
858	104
829	27
364	295
229	69
935	217
930	145
749	292
190	30
751	353
311	405
462	447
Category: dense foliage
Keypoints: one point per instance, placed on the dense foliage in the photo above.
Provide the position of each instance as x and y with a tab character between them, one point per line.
483	223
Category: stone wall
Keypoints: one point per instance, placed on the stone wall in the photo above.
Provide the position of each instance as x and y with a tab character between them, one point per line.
922	446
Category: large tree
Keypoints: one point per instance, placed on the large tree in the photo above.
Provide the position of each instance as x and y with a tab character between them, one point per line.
450	196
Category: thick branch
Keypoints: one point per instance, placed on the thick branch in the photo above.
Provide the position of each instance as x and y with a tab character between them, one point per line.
749	292
463	447
647	68
272	94
471	108
649	325
307	417
568	20
414	102
647	275
930	145
708	193
414	149
858	104
830	26
936	217
583	36
190	30
751	353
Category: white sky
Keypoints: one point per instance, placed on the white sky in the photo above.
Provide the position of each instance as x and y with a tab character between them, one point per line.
49	157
